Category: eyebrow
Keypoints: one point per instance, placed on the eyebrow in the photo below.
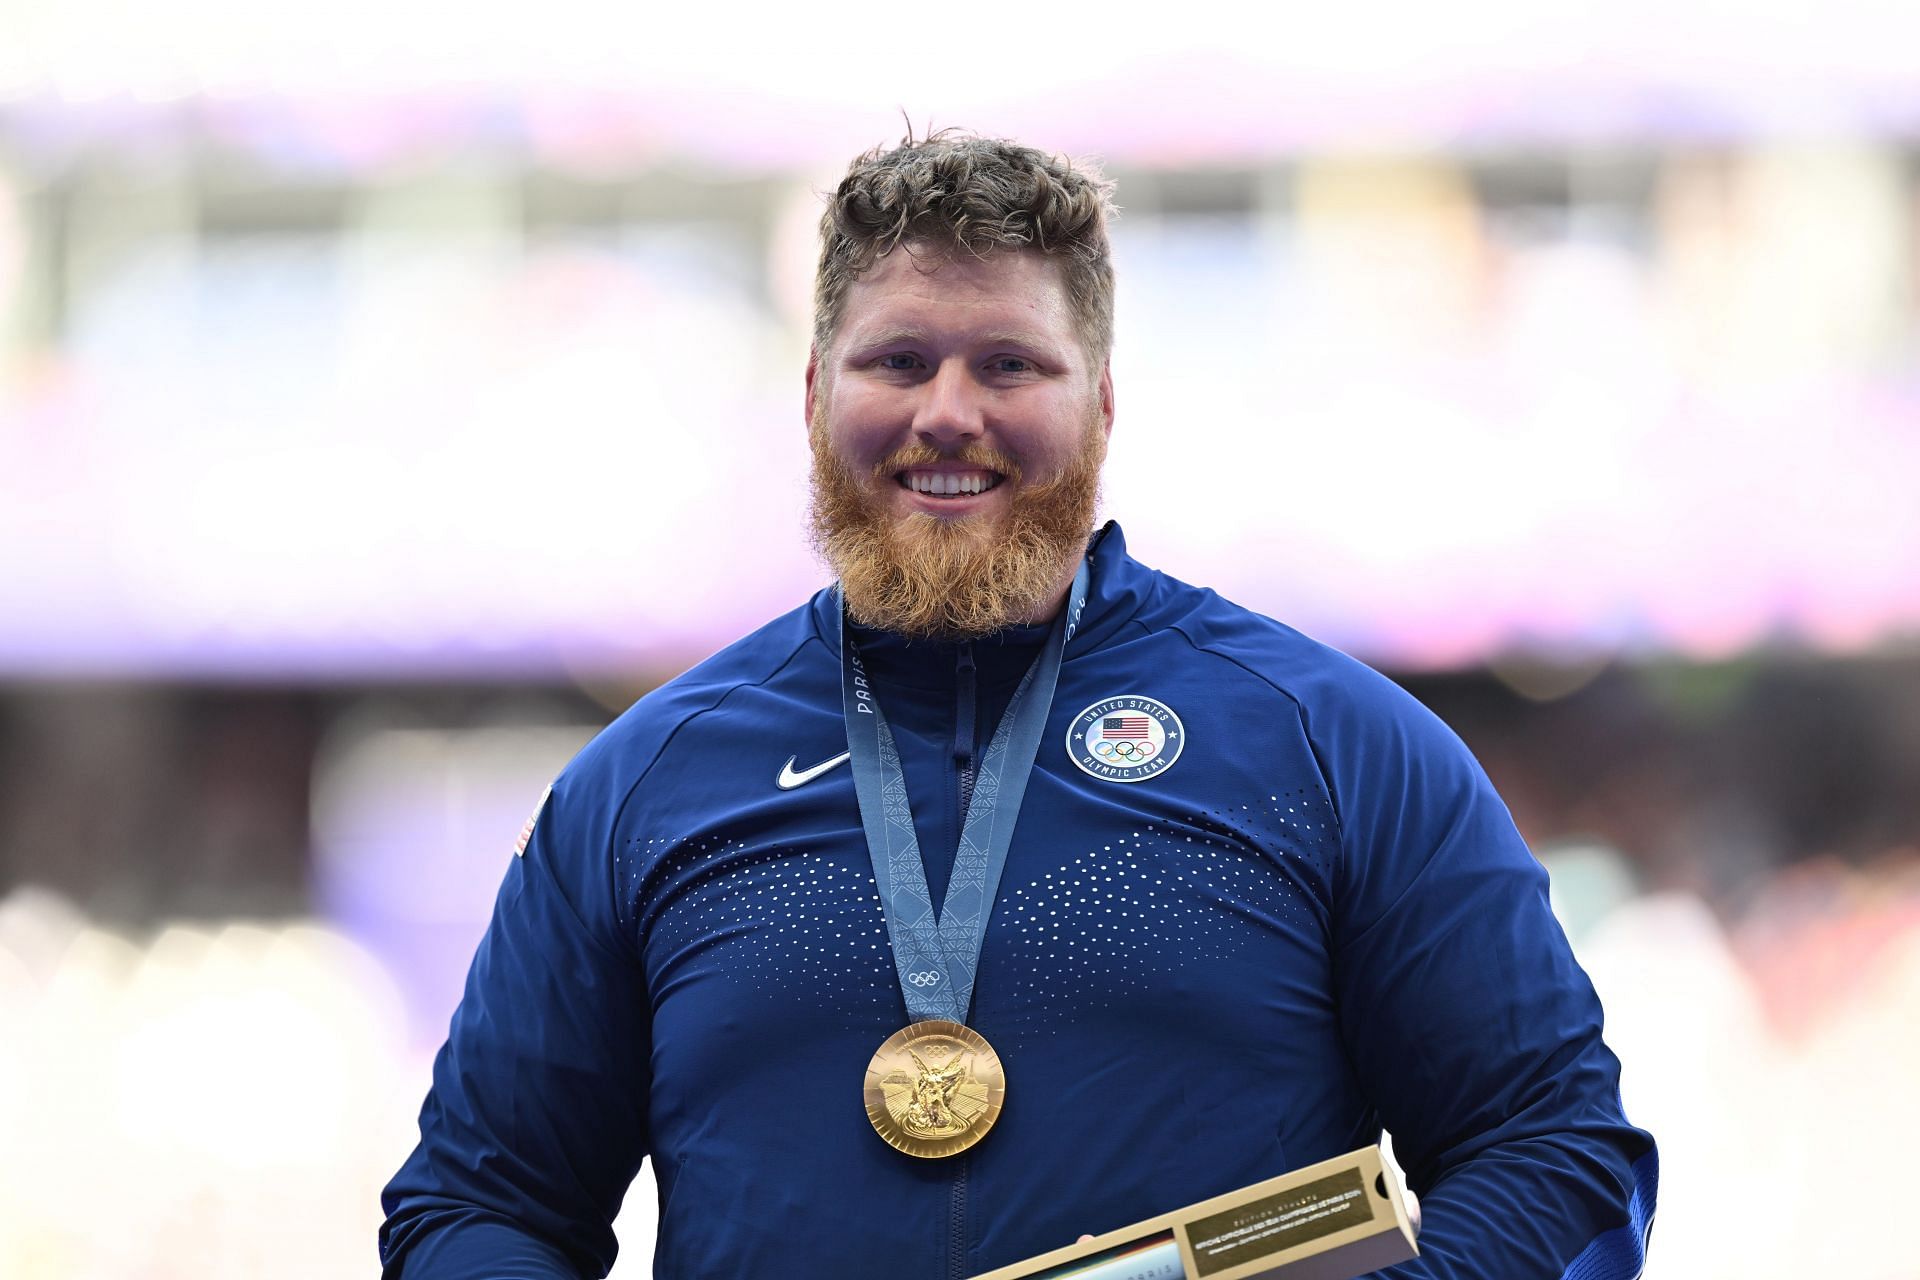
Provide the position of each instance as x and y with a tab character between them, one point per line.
888	337
919	337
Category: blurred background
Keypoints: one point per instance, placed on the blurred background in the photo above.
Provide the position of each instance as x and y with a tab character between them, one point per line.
391	394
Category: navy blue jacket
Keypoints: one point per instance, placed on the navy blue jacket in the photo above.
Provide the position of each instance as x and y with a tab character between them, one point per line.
1317	921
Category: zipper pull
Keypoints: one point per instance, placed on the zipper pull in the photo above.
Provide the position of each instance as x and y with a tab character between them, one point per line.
963	700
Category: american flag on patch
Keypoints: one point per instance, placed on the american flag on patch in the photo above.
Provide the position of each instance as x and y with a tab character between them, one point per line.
1113	727
526	832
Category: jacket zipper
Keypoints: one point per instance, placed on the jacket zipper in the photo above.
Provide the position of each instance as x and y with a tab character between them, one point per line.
957	1221
963	758
963	719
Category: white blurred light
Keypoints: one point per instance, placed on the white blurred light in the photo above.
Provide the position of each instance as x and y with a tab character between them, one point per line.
1770	58
230	1098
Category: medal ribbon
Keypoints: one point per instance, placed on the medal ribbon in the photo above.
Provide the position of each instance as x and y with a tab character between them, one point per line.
938	955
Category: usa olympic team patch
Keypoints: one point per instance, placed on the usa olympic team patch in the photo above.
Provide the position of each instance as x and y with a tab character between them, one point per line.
1126	739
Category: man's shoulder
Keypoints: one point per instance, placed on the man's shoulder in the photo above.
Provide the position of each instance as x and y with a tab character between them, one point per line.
625	749
1323	680
1370	736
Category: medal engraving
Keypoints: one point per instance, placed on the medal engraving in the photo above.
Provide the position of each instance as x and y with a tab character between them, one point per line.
934	1088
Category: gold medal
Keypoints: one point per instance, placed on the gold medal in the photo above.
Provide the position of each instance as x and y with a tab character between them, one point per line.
934	1088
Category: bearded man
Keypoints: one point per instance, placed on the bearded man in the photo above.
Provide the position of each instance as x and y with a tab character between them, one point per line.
1009	889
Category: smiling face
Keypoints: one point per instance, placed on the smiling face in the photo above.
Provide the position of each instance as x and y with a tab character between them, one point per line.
958	430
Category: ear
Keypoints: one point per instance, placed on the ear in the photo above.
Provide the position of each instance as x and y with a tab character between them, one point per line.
813	382
1106	399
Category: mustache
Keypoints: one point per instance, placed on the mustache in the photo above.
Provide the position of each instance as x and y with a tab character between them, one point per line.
921	454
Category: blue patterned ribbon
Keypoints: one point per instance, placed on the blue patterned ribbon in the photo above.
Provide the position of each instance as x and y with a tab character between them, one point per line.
938	954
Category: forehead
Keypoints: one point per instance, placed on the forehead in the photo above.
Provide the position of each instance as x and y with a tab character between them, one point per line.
920	287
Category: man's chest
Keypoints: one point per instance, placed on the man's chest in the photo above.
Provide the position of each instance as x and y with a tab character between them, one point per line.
1153	907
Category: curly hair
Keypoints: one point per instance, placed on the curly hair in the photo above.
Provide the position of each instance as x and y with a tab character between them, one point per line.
953	191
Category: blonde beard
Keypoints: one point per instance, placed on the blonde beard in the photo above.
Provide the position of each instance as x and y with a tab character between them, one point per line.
951	579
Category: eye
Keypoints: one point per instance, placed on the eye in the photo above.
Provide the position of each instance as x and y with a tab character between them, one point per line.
899	362
1012	364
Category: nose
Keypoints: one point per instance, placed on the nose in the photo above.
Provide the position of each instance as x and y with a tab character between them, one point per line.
951	408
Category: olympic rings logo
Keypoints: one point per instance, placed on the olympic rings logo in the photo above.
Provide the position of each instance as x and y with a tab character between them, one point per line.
925	978
1126	737
1130	751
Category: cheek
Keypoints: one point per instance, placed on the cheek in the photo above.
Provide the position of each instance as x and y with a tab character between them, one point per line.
856	418
1060	440
861	448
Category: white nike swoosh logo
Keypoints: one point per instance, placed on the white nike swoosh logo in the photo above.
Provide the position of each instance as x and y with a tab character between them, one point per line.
788	779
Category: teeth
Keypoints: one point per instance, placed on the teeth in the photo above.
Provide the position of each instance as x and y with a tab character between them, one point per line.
950	485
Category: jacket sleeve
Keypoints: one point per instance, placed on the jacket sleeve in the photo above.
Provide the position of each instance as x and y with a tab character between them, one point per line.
536	1121
1471	1026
